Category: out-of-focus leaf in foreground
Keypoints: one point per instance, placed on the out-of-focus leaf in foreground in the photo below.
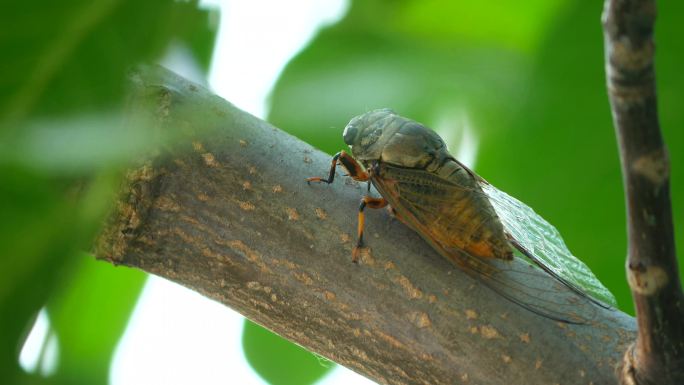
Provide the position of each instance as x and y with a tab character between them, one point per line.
35	235
72	56
63	141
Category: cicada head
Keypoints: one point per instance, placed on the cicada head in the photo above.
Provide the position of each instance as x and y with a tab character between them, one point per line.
366	134
382	135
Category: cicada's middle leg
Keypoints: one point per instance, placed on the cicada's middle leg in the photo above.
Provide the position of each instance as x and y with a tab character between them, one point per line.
370	202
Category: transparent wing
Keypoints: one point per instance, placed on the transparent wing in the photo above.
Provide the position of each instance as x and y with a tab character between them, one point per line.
420	198
540	241
528	286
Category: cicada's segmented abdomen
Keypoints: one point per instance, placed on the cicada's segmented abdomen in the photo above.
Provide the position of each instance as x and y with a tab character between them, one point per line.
469	217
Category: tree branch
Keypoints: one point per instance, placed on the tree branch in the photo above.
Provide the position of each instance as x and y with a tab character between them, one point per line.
228	214
658	355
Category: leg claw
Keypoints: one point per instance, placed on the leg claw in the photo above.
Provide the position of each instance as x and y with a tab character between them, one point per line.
356	251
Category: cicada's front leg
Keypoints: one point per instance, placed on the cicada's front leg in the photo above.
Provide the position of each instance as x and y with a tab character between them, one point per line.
370	202
356	172
350	164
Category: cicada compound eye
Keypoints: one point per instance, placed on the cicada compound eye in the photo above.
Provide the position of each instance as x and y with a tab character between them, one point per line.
349	134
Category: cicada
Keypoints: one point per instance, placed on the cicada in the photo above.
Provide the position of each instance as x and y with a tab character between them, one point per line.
482	230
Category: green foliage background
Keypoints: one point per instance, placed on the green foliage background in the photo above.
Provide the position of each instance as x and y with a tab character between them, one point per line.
527	77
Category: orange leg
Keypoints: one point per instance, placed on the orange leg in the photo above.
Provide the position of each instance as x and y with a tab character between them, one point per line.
356	172
373	203
350	164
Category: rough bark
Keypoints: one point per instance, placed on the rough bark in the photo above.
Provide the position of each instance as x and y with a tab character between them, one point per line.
657	357
228	214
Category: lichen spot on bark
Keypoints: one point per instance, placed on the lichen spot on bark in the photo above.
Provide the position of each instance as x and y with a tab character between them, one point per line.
654	166
345	238
489	332
303	278
329	295
420	319
320	213
250	254
292	213
470	314
365	256
210	160
525	338
390	339
246	206
409	288
647	280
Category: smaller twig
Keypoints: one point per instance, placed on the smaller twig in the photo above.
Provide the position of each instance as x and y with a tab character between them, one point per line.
658	354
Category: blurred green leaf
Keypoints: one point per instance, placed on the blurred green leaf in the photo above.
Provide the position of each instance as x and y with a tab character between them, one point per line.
62	142
78	146
412	61
506	23
279	361
36	232
89	312
72	56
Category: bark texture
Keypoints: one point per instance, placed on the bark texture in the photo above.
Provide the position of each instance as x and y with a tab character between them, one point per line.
658	354
228	214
